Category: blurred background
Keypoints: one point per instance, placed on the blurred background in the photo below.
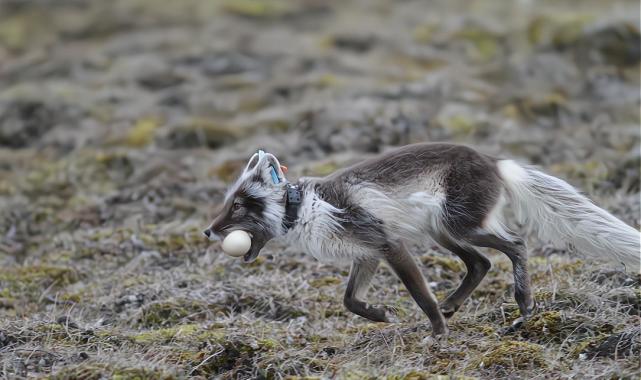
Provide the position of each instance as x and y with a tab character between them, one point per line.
122	122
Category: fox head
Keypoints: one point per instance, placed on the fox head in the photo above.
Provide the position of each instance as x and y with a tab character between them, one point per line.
255	203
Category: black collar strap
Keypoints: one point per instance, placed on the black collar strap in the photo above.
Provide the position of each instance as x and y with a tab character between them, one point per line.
293	200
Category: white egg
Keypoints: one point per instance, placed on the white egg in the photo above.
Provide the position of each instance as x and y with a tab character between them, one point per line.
237	243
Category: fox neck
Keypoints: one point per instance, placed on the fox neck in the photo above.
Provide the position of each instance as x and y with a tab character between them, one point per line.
317	219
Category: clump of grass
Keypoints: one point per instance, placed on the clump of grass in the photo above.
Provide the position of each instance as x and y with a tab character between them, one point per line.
97	371
168	313
512	354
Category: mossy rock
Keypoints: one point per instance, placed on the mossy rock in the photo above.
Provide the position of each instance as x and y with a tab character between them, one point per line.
512	354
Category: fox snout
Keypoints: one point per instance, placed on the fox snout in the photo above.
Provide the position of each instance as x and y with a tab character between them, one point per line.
214	231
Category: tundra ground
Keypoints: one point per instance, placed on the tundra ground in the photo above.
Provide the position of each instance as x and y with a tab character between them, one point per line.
122	122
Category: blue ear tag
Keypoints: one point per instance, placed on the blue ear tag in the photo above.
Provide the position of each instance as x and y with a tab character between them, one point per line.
272	170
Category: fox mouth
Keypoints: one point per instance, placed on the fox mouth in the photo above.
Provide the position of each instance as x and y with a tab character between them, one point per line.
258	242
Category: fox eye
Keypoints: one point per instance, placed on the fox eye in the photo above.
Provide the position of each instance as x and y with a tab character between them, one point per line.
235	206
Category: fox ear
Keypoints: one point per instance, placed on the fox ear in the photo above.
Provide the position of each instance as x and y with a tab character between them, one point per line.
252	163
270	169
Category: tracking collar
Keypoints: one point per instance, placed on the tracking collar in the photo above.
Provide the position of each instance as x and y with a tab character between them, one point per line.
293	199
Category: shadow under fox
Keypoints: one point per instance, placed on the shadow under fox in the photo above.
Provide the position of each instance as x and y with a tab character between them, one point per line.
372	211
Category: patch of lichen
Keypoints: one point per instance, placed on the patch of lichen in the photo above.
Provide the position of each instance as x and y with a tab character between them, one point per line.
28	282
171	243
546	323
485	44
141	133
585	345
512	354
256	9
97	371
325	281
475	326
168	313
166	335
423	375
228	353
450	264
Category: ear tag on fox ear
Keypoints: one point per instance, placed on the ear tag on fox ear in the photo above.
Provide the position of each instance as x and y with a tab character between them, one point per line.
272	170
275	178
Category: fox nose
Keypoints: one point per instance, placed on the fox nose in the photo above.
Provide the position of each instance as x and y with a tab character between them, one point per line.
207	232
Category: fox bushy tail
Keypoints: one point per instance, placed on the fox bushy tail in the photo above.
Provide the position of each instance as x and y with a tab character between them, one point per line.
558	213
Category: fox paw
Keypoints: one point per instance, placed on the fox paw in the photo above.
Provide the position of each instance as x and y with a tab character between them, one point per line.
448	309
390	312
435	340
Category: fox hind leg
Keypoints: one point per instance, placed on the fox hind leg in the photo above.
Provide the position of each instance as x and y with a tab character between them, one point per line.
477	267
515	249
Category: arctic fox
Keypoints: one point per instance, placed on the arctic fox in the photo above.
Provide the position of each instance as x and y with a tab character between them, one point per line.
373	210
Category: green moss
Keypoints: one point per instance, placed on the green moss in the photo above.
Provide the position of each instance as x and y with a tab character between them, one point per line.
486	43
236	352
512	354
168	313
325	281
97	371
255	8
142	133
422	375
166	335
547	323
447	263
29	281
586	345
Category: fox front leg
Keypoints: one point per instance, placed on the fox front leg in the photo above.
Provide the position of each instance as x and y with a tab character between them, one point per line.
359	279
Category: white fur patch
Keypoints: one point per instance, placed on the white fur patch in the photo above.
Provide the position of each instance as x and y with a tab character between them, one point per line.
318	232
405	216
510	171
